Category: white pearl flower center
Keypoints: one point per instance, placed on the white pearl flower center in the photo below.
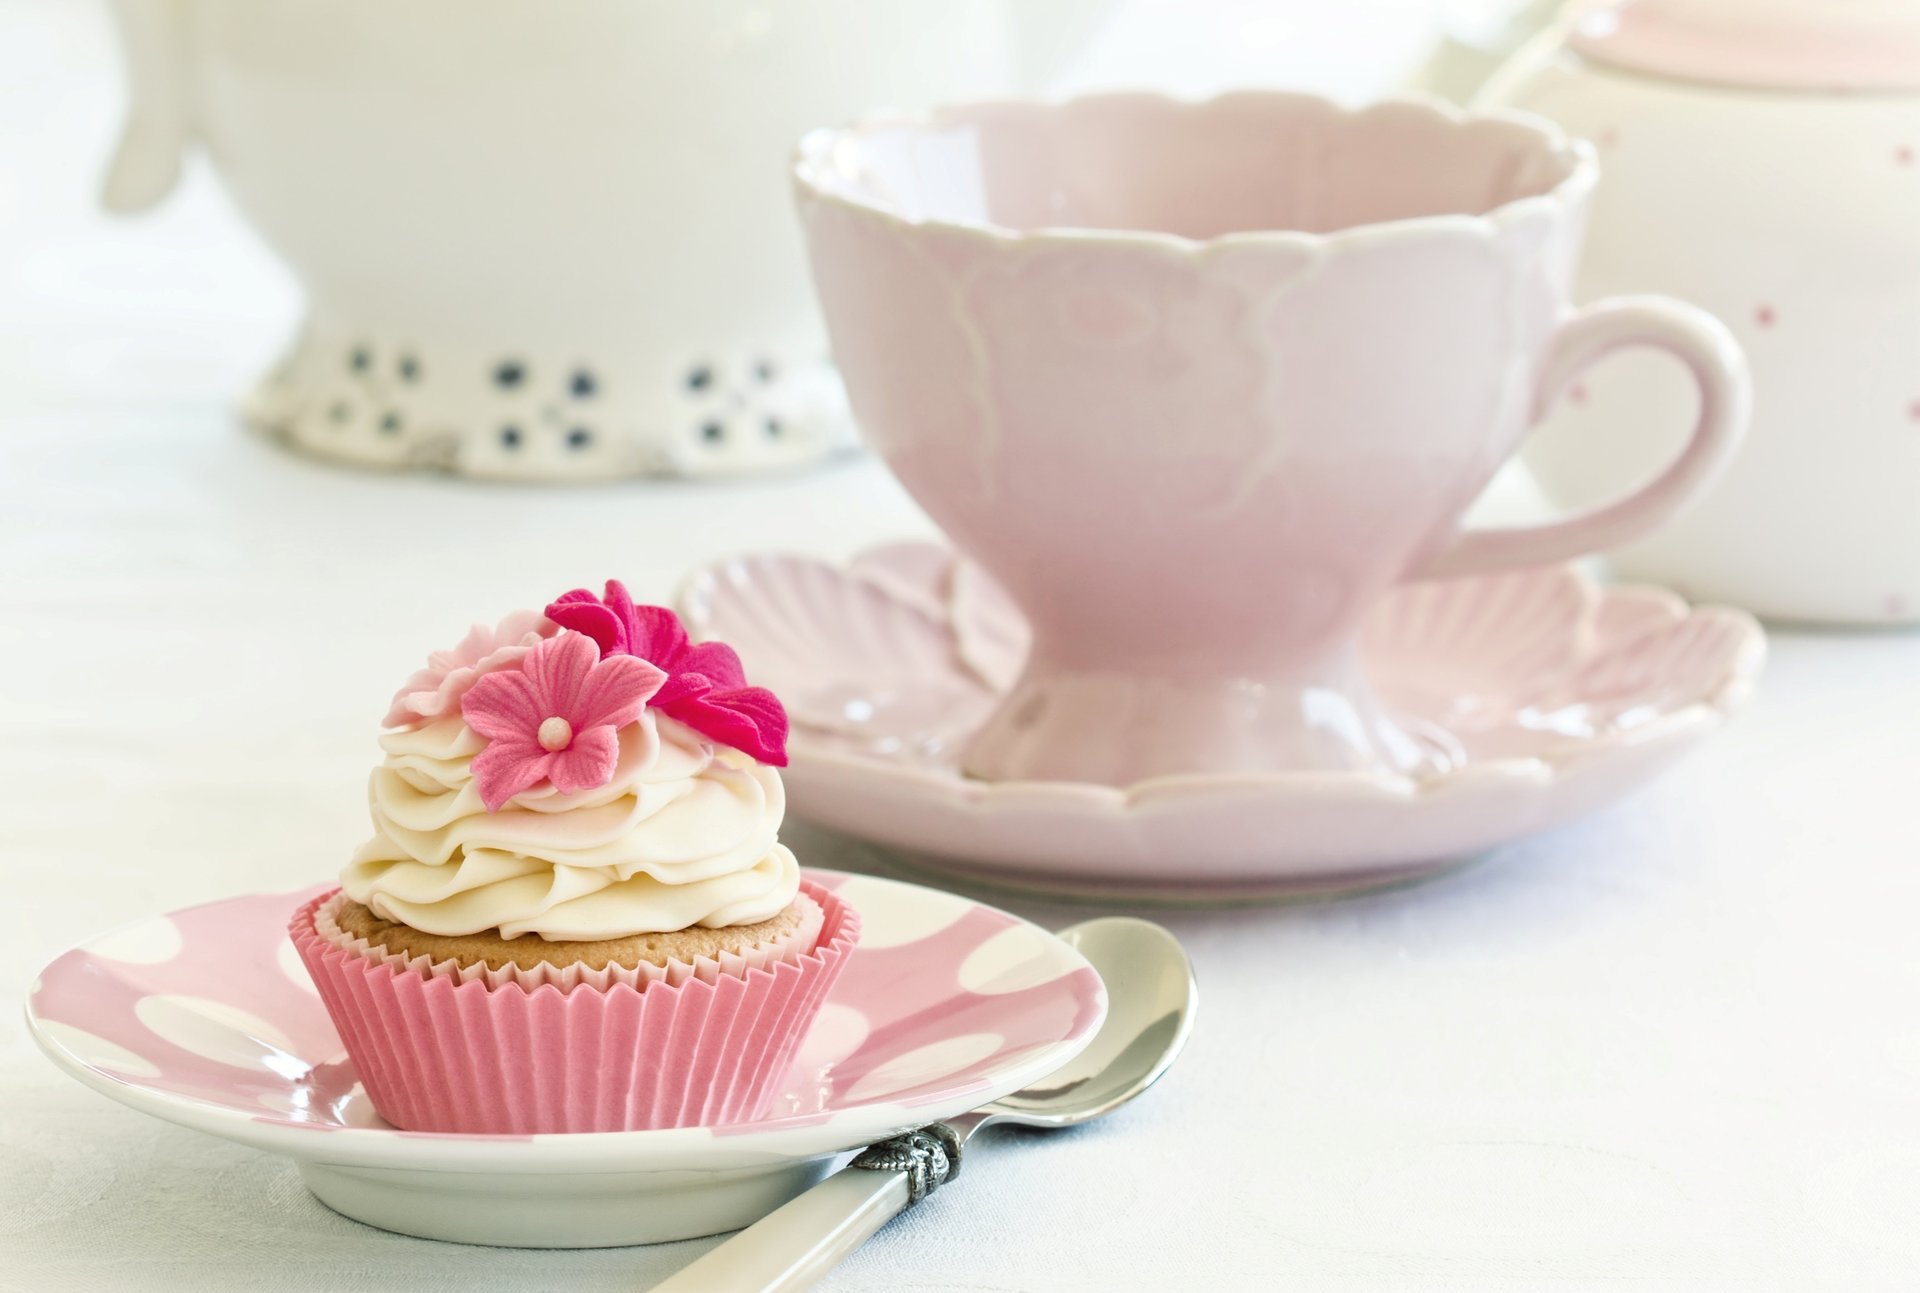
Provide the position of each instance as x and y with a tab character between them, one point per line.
556	734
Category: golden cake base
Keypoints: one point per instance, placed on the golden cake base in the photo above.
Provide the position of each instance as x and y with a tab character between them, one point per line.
530	951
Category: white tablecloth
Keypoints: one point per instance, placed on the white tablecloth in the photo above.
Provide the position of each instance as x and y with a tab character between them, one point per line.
1675	1046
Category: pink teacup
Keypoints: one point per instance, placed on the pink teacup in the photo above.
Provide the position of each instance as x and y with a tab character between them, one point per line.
1199	382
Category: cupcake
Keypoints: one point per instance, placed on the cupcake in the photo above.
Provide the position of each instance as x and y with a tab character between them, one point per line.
575	913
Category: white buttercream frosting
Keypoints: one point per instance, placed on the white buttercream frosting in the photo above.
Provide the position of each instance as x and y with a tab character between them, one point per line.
684	834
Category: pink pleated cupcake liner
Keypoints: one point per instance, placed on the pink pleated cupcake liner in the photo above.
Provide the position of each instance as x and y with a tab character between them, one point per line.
441	1053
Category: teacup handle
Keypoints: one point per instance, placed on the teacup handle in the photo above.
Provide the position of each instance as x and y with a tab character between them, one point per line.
1699	341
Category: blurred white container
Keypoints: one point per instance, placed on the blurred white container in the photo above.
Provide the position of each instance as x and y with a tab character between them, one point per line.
1762	159
546	240
1475	38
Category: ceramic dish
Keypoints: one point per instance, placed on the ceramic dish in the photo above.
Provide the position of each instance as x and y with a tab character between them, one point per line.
206	1018
1549	694
545	241
1761	161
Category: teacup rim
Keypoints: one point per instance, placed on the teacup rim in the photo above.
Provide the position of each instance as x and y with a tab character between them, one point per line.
1565	194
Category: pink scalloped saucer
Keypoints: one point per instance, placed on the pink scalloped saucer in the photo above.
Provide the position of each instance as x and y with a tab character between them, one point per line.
1552	694
207	1018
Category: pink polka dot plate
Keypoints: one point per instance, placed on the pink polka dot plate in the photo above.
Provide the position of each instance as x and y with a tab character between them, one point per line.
206	1017
1545	694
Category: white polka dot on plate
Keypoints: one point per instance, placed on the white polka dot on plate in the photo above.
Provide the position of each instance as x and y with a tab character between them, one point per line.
148	943
1008	962
889	920
288	959
216	1031
96	1052
934	1060
837	1032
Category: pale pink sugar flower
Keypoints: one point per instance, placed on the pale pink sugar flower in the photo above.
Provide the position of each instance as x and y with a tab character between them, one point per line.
436	690
556	718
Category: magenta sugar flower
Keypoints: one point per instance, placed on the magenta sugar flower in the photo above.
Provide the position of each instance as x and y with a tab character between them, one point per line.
557	718
706	685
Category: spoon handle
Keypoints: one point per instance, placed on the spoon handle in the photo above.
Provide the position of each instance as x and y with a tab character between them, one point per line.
794	1245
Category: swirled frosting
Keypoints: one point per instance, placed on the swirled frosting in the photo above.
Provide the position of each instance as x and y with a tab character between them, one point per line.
684	834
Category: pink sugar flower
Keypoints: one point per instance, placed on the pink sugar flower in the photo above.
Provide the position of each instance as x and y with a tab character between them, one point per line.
706	685
556	718
437	689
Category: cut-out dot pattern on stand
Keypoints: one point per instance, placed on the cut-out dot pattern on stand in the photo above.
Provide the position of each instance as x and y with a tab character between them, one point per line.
385	402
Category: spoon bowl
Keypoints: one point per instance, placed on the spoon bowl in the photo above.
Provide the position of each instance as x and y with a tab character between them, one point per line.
1151	996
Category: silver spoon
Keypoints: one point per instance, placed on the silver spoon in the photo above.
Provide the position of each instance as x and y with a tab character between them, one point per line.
1150	1004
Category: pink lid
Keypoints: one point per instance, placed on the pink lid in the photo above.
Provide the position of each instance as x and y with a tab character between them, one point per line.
1833	45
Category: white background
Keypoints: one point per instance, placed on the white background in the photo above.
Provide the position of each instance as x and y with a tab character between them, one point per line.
1676	1046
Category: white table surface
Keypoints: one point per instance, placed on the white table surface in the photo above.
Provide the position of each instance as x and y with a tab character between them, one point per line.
1675	1046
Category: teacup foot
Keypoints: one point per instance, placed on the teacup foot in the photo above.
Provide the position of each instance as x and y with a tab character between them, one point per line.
1116	729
